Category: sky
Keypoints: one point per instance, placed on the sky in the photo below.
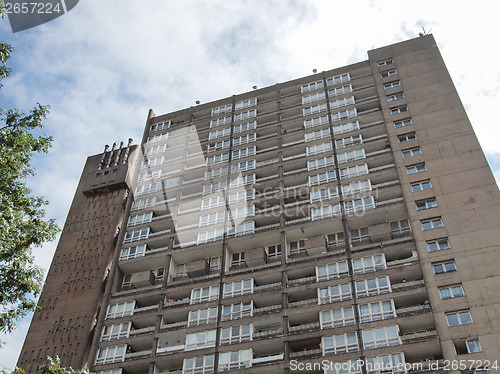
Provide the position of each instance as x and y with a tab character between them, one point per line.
104	64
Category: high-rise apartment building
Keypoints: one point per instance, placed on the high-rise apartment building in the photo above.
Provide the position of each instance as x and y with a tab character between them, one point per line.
344	222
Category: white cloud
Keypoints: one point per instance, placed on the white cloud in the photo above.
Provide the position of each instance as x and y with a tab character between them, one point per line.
103	65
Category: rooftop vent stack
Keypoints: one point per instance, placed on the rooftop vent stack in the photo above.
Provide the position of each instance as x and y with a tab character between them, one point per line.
127	150
101	163
117	159
111	155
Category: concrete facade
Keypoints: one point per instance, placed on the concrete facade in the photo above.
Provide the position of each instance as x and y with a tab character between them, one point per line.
348	216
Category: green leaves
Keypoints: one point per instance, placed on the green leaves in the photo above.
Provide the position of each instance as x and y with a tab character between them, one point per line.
22	217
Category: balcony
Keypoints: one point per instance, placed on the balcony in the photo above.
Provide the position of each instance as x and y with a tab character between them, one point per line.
138	355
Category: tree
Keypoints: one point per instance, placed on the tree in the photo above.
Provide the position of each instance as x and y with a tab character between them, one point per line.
22	217
54	367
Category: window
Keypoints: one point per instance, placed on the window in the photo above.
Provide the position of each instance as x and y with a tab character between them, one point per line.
157	138
312	86
242	180
324	194
411	152
241	229
368	264
238	259
314	109
349	113
473	346
346	127
336	238
327	177
426	204
273	251
399	109
159	274
458	318
212	219
342	102
319	148
432	223
319	134
376	311
336	317
220	122
109	355
314	97
418	168
313	122
331	271
127	281
357	154
216	159
403	123
245	104
375	286
341	343
222	110
212	202
223	144
335	293
349	141
181	270
202	339
326	211
241	213
438	245
149	175
160	126
238	288
136	235
444	267
111	371
112	332
245	115
338	79
359	205
219	133
237	311
340	91
359	235
140	219
202	317
156	149
421	186
244	139
450	292
244	195
198	365
297	246
120	309
215	263
320	163
391	363
407	137
152	162
230	361
400	227
204	294
133	252
236	334
385	62
396	96
353	171
144	203
214	187
243	166
393	84
388	73
381	337
212	173
244	152
244	127
210	236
